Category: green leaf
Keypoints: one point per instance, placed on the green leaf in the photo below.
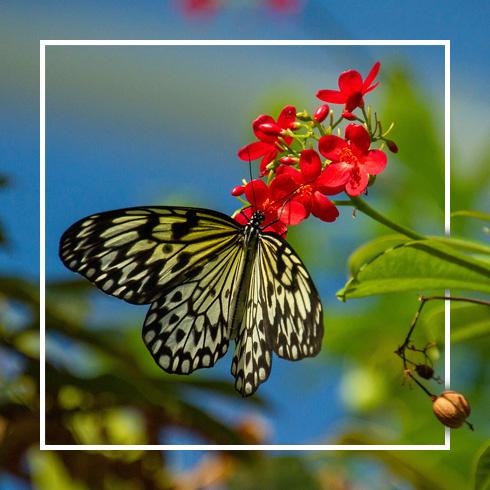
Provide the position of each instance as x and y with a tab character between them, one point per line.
482	473
372	249
470	246
471	214
416	266
468	321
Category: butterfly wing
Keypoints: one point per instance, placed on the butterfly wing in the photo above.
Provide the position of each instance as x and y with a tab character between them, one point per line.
292	305
283	314
187	328
134	253
184	261
252	360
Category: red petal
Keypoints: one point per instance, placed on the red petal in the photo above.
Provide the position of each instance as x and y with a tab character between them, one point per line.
268	158
375	162
330	190
276	227
357	183
353	101
243	216
287	117
359	137
350	81
288	170
293	212
372	87
310	165
336	174
349	116
333	96
253	151
284	185
263	119
322	207
370	78
256	192
331	146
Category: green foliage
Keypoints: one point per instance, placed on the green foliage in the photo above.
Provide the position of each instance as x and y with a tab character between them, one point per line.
421	265
482	473
274	474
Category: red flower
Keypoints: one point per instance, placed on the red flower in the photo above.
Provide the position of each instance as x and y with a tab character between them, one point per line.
352	160
352	89
284	6
267	146
307	189
192	7
268	200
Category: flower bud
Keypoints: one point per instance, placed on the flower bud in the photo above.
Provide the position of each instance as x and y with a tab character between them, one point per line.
270	129
372	180
451	408
391	146
349	116
289	160
424	371
303	116
238	190
321	113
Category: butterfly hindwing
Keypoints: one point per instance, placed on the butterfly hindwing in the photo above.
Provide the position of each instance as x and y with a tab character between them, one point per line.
293	307
187	328
283	314
252	361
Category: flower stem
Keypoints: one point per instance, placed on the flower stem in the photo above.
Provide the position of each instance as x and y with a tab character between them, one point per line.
362	206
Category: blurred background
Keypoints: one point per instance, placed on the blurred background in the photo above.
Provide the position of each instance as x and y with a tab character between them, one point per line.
129	126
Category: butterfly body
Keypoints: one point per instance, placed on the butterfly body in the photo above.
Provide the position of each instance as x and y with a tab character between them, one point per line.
208	280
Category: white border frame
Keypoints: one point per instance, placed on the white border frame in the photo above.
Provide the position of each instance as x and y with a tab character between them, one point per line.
230	447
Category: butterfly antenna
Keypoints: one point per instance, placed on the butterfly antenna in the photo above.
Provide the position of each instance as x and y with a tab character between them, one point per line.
250	173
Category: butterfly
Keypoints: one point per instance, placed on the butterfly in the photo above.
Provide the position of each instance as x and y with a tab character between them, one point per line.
209	280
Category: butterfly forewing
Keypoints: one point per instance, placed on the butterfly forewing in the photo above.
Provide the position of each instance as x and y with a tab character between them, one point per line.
134	253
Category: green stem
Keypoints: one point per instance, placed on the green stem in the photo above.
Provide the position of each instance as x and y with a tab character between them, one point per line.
362	206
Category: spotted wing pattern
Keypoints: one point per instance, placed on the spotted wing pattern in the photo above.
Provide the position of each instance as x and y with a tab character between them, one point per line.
188	263
283	314
252	361
187	328
292	307
134	253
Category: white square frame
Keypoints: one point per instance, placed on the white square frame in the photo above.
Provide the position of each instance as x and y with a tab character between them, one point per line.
42	296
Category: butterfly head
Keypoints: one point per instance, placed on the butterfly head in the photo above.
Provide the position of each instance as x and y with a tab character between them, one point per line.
257	219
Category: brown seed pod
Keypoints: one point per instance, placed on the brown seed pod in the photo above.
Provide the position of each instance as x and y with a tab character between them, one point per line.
424	371
451	408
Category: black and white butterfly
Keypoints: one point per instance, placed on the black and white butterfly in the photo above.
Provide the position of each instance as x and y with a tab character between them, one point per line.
209	280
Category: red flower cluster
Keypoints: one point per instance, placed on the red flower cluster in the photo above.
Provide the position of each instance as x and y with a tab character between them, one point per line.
299	182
